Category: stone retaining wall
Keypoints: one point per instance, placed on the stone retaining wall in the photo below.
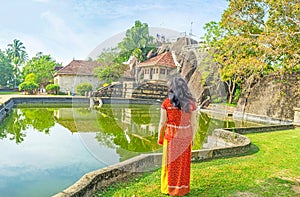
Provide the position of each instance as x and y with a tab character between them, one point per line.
245	130
297	116
5	108
259	118
8	104
51	100
129	101
99	179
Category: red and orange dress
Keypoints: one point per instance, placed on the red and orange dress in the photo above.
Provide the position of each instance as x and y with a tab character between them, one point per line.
177	140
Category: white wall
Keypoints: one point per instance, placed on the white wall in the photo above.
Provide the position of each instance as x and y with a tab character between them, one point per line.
69	82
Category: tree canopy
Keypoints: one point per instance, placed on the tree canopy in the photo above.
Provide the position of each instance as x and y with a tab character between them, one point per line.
137	37
43	66
137	42
112	66
18	56
255	38
7	71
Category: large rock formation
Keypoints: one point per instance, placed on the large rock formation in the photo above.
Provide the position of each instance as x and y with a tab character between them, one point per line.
198	68
273	96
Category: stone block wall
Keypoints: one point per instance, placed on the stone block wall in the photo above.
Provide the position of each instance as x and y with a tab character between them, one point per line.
102	178
11	102
5	108
273	96
99	179
297	116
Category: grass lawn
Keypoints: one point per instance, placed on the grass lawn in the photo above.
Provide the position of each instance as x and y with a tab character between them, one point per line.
271	168
8	93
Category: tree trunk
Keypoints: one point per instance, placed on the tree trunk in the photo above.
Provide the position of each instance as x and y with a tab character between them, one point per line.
231	88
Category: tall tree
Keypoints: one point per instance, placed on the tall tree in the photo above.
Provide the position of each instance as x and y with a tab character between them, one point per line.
273	25
18	56
108	56
137	37
254	38
6	70
112	66
43	66
110	72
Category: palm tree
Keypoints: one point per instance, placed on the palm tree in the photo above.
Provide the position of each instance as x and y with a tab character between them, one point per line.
18	56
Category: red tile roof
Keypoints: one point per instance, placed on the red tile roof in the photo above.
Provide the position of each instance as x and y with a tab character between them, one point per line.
164	59
79	67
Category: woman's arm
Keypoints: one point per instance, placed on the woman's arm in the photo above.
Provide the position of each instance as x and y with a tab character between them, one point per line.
162	125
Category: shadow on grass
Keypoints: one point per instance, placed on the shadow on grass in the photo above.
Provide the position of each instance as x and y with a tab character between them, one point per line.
253	149
276	186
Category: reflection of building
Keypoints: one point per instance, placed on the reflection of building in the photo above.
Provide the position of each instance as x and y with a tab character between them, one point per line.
77	119
157	68
149	129
137	128
126	116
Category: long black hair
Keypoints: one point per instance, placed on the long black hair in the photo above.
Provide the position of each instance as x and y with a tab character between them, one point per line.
180	94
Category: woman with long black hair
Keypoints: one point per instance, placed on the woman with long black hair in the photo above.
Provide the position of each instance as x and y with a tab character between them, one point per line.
177	128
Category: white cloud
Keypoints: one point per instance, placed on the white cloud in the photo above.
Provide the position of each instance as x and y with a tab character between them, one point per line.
113	9
73	28
34	45
65	42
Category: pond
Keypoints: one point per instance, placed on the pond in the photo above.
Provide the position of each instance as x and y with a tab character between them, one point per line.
46	149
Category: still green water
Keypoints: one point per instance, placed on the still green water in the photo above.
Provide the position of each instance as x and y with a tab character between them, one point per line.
46	149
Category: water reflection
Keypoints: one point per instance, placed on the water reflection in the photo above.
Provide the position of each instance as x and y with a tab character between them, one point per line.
14	127
44	150
132	128
42	165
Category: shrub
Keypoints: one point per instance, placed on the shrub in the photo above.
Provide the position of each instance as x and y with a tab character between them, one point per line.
62	93
28	87
83	87
52	88
31	78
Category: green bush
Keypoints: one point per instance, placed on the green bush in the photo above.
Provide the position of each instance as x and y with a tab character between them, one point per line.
83	87
52	88
29	87
62	93
31	78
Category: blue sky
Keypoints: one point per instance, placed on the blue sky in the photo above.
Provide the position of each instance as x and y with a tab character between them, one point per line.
68	29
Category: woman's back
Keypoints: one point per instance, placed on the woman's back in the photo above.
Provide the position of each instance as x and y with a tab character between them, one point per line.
176	116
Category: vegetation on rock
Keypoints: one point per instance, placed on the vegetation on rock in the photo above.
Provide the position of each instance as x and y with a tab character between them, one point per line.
253	39
137	42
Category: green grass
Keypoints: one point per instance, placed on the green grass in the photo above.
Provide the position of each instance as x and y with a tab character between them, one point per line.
270	168
9	93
